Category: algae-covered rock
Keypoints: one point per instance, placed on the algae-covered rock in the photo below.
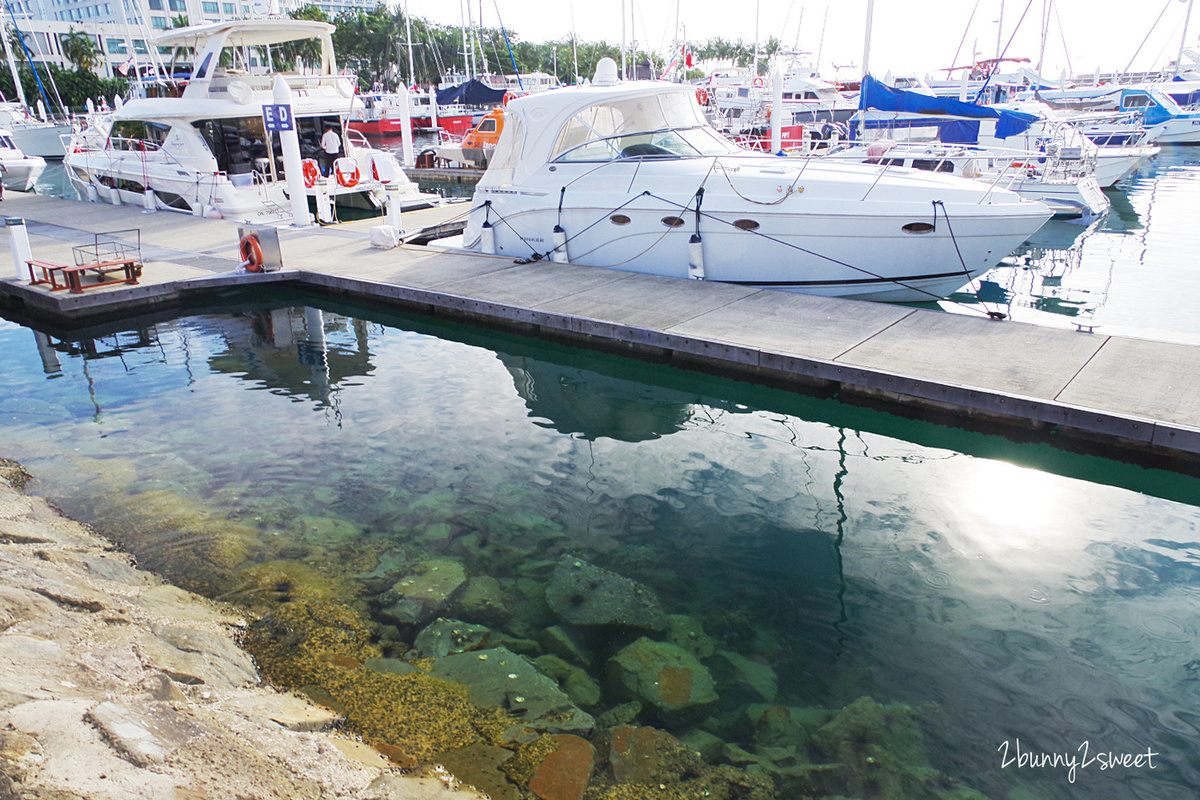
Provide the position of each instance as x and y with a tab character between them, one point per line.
742	680
881	755
573	680
661	674
584	594
444	637
412	717
480	765
323	530
688	633
499	678
482	600
558	641
423	593
643	763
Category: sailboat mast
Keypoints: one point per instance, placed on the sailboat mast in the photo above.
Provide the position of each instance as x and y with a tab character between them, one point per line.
12	64
757	11
1183	38
412	73
867	38
624	69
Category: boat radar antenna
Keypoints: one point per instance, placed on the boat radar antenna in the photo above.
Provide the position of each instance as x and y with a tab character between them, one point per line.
606	73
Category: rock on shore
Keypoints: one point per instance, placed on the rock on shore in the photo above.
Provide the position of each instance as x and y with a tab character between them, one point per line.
117	686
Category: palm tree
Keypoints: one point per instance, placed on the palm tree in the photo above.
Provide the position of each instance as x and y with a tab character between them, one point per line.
80	49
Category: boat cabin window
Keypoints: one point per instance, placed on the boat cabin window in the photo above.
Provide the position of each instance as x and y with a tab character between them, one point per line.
487	126
7	143
136	134
1135	101
810	96
664	125
237	143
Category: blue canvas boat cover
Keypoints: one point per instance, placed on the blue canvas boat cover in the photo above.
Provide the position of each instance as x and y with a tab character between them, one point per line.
471	93
878	96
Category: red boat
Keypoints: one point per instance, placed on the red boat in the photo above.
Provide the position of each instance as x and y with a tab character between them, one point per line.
382	115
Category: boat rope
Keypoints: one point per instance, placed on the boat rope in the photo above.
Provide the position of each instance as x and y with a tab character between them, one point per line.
954	240
788	192
932	296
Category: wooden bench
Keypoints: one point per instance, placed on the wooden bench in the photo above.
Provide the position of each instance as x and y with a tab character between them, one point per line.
48	268
73	275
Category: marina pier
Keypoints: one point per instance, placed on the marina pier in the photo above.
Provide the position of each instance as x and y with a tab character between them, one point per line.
1128	398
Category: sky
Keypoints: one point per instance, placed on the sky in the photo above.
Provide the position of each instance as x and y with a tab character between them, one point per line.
907	36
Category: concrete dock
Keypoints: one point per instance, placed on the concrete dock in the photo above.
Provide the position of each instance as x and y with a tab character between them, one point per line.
1133	399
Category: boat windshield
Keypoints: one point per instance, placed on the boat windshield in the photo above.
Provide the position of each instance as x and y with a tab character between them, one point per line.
667	125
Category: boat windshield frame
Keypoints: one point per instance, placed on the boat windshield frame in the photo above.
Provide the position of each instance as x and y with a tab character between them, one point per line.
697	141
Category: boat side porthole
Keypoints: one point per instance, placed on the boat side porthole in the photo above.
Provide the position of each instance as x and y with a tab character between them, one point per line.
619	219
746	224
918	227
672	222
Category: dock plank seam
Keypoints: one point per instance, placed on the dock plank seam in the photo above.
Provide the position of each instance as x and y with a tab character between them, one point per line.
1082	367
882	330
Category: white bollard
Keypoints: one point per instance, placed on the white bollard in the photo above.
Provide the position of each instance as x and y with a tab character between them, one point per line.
324	205
393	209
92	195
18	237
148	202
114	195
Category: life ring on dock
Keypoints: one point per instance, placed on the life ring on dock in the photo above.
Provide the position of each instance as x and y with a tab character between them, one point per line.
347	173
702	97
758	83
311	172
251	252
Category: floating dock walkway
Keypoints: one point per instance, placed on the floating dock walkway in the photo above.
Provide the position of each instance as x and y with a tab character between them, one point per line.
1133	399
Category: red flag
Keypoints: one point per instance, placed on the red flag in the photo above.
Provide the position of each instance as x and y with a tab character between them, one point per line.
688	59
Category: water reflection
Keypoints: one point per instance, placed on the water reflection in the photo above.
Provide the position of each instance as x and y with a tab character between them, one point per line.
1127	274
839	552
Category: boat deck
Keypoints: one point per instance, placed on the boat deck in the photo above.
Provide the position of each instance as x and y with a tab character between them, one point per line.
1129	398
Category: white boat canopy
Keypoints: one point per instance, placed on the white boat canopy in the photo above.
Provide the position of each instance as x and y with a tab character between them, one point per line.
584	123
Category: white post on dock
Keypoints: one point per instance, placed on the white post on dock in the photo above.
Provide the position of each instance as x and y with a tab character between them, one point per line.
393	208
18	237
777	113
292	167
148	201
406	128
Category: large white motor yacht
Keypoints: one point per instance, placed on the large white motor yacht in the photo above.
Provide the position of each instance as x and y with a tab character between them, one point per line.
204	148
631	176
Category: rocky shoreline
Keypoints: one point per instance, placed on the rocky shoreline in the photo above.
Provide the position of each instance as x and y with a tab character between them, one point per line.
115	685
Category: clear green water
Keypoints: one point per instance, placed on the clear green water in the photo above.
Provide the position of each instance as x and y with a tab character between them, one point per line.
1009	592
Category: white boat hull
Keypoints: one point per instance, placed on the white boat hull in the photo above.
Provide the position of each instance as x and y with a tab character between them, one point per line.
838	232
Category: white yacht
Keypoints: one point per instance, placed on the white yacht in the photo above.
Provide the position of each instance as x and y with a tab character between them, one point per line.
631	176
21	171
204	149
32	135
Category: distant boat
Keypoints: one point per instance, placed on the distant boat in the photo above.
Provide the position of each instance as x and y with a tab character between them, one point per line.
21	170
33	136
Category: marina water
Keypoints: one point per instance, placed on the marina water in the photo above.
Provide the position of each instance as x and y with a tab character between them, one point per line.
1029	605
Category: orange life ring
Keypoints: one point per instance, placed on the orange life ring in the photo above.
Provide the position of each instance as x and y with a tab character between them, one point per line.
758	83
702	97
311	172
346	179
251	252
508	96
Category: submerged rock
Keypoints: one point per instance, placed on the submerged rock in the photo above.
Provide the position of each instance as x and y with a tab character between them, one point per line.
573	680
481	599
499	678
444	637
423	593
584	594
662	674
565	772
743	679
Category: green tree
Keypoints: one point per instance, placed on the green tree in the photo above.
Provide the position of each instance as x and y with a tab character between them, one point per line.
80	49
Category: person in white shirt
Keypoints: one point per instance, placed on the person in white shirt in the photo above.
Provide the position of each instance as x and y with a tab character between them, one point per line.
331	146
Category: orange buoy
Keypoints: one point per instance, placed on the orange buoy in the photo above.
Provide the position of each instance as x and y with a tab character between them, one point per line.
251	251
